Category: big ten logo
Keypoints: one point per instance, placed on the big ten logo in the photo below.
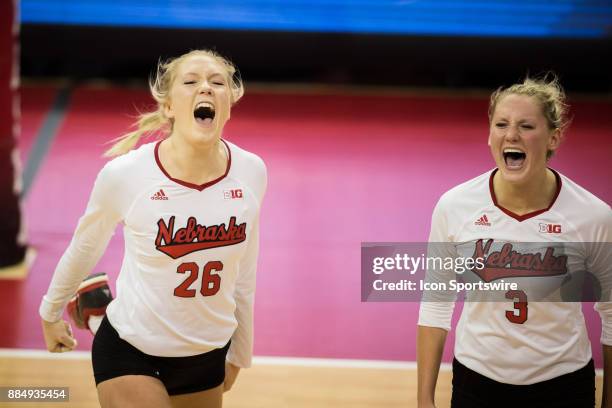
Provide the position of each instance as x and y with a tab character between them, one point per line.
232	194
550	228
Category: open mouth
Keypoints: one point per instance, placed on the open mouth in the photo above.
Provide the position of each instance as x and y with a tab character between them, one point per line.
514	158
204	113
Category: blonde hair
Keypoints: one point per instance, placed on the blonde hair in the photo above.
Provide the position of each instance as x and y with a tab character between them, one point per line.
550	95
156	121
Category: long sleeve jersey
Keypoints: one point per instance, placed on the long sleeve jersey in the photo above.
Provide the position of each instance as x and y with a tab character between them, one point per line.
187	281
520	341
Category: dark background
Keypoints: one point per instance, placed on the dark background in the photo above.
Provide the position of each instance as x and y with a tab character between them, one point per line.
126	54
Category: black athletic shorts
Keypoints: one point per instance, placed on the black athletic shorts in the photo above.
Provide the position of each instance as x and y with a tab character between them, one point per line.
572	390
114	357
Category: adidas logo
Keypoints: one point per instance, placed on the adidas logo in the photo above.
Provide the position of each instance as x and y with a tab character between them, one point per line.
483	221
160	195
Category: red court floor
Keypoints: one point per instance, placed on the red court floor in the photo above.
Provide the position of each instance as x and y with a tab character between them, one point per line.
343	168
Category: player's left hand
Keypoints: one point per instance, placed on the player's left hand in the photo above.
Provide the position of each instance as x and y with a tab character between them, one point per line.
231	372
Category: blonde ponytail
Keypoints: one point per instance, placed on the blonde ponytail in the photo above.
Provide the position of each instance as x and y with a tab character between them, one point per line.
147	124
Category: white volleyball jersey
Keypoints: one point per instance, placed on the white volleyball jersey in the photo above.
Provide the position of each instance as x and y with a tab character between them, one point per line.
518	341
187	280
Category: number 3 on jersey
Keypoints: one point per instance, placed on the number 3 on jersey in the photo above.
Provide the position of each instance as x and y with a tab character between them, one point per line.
211	282
519	314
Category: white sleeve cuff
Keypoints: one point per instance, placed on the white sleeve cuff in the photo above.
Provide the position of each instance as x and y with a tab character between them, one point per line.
244	360
49	311
436	314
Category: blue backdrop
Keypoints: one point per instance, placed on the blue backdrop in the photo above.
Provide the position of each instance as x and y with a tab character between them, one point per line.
507	18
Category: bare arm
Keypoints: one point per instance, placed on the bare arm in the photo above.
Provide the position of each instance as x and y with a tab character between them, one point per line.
430	345
231	373
606	395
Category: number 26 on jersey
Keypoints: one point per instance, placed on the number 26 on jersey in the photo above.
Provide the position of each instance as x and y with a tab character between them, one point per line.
210	282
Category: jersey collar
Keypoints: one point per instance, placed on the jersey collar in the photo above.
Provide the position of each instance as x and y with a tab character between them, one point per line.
532	214
199	187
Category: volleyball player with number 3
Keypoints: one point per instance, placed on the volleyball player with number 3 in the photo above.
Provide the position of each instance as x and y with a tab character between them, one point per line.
519	352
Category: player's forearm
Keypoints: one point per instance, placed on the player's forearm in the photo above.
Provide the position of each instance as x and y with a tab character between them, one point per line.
430	345
606	396
78	260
